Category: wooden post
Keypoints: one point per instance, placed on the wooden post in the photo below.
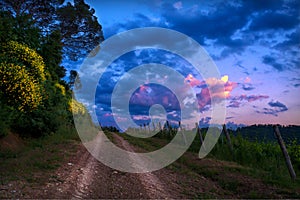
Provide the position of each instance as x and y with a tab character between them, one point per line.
227	137
200	134
149	131
285	153
153	125
182	132
168	128
159	126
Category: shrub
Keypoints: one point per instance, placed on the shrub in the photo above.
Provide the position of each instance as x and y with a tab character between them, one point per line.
18	88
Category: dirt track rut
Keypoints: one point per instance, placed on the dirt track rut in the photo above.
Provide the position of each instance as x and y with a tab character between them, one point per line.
86	177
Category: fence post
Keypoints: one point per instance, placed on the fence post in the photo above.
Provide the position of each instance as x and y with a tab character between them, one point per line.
285	153
168	128
228	137
200	134
182	132
149	131
159	126
154	128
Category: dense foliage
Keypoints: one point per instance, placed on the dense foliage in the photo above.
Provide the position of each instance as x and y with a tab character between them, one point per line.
35	36
28	21
18	88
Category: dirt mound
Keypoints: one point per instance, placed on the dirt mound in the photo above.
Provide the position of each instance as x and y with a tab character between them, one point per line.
11	142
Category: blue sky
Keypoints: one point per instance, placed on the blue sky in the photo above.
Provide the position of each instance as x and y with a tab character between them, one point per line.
255	43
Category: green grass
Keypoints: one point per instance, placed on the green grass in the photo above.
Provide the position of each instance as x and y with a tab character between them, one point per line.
262	161
39	157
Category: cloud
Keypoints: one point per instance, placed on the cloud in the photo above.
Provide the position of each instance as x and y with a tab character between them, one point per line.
293	39
273	20
236	101
249	98
150	94
234	104
139	20
204	122
277	104
190	79
219	89
248	87
297	85
269	60
211	23
232	25
276	107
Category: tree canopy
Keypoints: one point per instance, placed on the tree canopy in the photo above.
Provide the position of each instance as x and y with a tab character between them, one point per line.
35	37
79	29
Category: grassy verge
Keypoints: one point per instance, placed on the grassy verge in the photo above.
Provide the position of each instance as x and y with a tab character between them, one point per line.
260	164
38	158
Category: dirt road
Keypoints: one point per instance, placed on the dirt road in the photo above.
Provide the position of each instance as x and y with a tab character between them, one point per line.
86	177
80	175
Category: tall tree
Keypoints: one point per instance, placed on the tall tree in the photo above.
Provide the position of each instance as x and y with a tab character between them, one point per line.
79	28
51	51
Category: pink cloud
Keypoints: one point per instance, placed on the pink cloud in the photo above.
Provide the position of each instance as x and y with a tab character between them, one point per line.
218	89
190	79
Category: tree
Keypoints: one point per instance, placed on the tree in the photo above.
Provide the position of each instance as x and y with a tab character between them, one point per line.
51	51
72	78
41	12
20	29
79	28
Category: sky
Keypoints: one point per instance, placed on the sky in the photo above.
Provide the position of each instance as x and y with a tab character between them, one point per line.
254	44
